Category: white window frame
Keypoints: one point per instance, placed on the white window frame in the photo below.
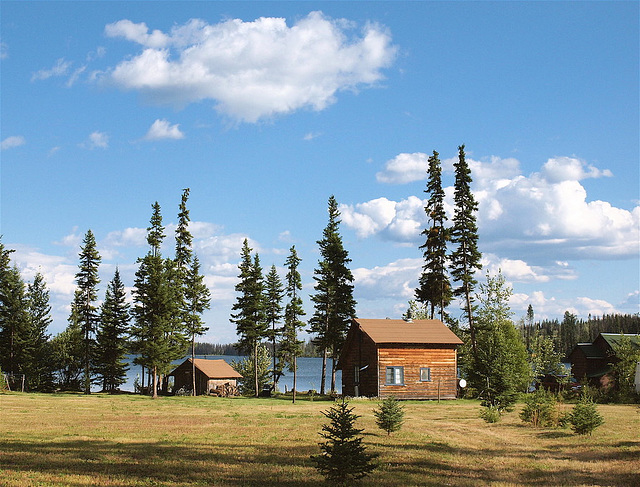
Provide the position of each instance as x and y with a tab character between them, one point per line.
397	376
428	371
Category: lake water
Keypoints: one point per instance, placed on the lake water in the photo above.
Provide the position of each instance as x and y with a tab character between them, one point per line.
309	371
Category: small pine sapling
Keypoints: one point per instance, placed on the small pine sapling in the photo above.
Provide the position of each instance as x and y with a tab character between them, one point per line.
390	416
584	417
344	458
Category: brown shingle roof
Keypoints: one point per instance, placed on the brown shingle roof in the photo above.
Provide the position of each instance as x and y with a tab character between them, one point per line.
400	331
216	369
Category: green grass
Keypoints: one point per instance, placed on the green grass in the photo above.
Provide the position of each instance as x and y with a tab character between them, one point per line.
102	440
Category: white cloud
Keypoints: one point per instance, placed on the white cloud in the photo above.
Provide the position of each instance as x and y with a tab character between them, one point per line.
60	68
96	140
4	50
13	141
161	129
312	135
405	168
546	215
253	70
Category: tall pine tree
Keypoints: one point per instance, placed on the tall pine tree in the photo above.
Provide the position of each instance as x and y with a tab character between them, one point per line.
39	369
84	303
291	347
333	301
273	309
435	288
250	317
14	319
197	299
159	337
111	337
465	259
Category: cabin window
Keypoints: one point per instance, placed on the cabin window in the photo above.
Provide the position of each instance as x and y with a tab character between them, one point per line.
395	376
425	374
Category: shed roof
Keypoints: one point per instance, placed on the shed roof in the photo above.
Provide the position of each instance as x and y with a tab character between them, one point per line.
589	350
614	339
408	332
213	369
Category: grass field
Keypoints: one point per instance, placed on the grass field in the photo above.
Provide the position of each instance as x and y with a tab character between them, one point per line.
76	440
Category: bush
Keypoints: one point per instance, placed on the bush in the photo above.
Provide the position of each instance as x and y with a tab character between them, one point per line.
490	414
344	457
390	415
541	409
584	417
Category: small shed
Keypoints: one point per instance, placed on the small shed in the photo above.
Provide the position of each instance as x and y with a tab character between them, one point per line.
405	359
210	374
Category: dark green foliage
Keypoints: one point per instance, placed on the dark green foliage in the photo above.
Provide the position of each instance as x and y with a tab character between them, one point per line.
390	416
465	259
274	293
333	301
344	458
584	417
290	346
250	317
67	348
623	368
542	409
111	337
435	288
14	319
84	302
491	414
39	366
158	335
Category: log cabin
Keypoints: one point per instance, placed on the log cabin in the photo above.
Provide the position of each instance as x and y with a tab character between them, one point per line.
210	374
404	359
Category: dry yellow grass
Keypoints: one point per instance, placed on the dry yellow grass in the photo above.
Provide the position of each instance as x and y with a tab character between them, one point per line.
76	440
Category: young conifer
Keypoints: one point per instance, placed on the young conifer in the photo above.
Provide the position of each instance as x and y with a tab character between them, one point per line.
390	416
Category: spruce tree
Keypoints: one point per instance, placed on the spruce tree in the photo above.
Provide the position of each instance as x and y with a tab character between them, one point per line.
273	309
333	301
39	369
159	337
291	347
435	288
197	299
465	259
250	317
344	458
111	337
390	415
14	320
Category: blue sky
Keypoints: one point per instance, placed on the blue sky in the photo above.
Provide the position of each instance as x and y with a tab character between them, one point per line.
265	109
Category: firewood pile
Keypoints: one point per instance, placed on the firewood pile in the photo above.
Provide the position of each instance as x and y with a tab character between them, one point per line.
225	390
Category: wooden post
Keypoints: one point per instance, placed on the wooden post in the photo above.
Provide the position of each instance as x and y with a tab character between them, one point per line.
438	391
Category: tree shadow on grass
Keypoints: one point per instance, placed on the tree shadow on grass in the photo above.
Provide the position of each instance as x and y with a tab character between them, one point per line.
158	462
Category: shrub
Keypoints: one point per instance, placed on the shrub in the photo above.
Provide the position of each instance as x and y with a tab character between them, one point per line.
541	409
490	414
584	417
344	457
390	416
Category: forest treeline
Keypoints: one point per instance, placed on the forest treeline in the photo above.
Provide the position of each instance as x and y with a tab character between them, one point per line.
308	349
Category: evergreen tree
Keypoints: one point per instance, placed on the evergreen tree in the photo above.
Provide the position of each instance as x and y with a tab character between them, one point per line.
273	309
344	458
197	299
111	337
333	301
14	319
584	417
67	349
159	337
465	259
291	347
390	416
250	317
251	365
84	306
435	288
39	368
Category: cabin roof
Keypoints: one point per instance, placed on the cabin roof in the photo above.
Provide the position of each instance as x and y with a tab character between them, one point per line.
589	350
408	332
614	339
213	369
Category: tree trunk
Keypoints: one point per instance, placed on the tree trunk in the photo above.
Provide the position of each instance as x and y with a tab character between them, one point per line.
334	363
255	367
324	370
155	382
193	364
295	377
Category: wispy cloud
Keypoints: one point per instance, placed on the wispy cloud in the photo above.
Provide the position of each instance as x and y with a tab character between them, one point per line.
13	141
60	68
253	70
162	129
96	140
